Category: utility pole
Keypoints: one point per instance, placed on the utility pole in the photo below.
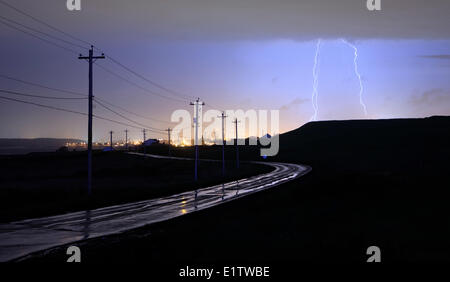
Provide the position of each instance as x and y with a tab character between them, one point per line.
223	116
237	148
90	59
110	139
168	132
143	143
126	139
196	105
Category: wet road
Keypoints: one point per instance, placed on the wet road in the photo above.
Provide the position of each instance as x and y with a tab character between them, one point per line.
24	237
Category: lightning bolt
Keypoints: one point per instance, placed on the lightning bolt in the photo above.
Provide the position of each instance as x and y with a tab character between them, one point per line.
316	70
355	62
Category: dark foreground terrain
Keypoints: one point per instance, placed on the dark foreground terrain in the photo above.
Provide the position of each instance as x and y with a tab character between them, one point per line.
42	184
382	183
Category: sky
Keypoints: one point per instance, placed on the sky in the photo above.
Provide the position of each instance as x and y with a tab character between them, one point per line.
232	54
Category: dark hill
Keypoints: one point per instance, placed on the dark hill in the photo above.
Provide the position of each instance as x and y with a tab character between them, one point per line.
369	145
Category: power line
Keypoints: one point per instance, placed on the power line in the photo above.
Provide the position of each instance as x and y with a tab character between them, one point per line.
43	106
42	86
73	51
43	22
212	107
121	123
173	92
80	94
42	32
38	37
130	112
128	119
40	96
139	86
70	111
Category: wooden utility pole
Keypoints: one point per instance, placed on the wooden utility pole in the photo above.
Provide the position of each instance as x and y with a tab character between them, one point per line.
126	139
110	139
168	132
90	59
143	143
196	105
237	148
223	116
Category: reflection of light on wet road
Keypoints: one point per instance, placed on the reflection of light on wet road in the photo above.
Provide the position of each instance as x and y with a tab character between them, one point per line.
24	237
183	204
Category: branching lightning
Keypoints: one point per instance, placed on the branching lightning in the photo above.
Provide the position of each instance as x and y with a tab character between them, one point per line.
355	61
316	70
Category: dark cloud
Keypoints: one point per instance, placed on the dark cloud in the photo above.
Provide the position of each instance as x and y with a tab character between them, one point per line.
438	57
248	19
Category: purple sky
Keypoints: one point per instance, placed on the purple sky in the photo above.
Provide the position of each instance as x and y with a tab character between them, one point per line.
232	54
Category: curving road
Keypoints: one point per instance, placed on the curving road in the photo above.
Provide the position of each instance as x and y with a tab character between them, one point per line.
21	238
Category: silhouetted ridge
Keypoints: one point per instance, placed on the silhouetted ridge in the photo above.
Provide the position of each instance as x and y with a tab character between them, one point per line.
370	144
